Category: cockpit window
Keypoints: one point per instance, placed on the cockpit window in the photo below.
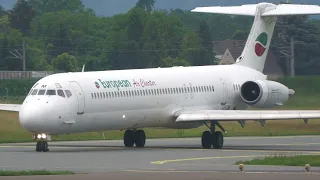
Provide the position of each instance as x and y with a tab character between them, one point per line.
51	92
30	91
41	92
34	92
68	93
60	93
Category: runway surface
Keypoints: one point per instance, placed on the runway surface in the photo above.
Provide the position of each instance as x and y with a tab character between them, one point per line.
162	157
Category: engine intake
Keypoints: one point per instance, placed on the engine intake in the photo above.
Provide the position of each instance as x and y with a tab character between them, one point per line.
251	92
264	93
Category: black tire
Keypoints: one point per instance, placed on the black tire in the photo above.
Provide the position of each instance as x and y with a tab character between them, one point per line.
128	138
45	146
140	138
218	140
206	140
38	146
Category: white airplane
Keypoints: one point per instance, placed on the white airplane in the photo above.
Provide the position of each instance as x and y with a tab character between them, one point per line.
177	97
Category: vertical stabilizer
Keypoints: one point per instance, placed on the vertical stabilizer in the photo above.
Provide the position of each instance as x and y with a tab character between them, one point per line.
258	43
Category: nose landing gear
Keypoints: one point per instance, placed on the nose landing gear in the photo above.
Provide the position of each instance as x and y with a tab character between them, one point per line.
42	142
42	146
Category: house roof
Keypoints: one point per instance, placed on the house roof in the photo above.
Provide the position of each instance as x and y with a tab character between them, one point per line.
235	48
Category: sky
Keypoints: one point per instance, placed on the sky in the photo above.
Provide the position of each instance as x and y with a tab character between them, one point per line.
111	7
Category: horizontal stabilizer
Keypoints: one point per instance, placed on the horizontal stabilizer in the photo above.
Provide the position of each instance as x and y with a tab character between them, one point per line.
270	10
293	9
245	10
236	115
10	107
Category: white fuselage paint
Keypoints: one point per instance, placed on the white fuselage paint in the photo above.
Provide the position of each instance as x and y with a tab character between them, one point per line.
84	113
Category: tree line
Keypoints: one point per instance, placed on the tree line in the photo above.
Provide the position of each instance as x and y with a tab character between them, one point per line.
63	35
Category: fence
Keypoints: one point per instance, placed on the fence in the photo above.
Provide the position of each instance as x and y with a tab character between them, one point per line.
11	95
24	74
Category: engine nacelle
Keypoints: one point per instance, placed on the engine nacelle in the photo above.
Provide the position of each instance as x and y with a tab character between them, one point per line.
264	93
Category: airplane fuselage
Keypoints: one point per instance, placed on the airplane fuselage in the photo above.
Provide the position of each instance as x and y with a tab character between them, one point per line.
128	99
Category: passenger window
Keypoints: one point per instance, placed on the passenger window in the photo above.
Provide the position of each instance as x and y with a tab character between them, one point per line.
41	92
60	93
34	92
51	92
68	94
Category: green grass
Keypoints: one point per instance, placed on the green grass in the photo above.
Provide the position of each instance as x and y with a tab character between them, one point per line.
300	160
34	172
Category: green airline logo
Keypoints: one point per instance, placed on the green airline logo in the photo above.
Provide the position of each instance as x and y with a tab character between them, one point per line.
113	84
261	43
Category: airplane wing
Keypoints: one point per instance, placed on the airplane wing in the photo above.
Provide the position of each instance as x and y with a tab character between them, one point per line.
238	115
10	107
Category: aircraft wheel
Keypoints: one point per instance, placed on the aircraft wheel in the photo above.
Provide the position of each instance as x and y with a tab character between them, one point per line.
206	139
218	140
45	146
42	146
140	138
38	146
128	138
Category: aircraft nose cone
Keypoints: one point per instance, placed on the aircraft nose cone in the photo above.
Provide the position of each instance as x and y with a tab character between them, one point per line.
27	117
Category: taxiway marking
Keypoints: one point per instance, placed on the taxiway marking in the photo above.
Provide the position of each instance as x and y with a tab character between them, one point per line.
203	158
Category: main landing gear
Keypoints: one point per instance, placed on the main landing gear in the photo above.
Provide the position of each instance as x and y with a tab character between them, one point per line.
212	138
137	137
42	142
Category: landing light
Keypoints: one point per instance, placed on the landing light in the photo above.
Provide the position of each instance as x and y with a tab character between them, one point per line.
43	136
39	136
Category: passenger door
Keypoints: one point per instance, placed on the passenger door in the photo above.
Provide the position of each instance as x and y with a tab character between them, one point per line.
79	93
225	95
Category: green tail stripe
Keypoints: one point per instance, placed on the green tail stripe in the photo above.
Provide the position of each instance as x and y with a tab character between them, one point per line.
263	39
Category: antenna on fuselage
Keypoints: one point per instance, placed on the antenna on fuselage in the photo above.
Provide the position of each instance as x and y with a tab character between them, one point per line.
83	68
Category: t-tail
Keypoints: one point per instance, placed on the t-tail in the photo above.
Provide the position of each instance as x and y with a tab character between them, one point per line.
258	43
